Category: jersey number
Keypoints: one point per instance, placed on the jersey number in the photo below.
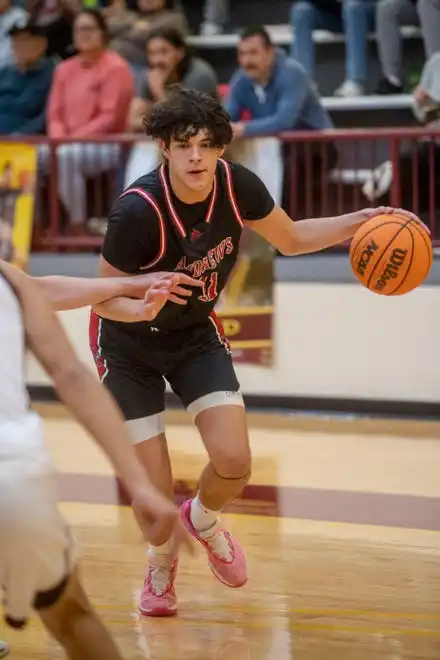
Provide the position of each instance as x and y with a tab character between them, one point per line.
210	292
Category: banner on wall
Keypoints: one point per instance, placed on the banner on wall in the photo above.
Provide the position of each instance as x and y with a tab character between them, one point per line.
246	306
18	163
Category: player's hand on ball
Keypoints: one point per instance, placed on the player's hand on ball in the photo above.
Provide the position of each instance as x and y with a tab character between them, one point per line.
381	210
157	516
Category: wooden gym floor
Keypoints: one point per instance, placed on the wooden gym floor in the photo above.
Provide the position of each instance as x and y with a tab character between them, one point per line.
341	523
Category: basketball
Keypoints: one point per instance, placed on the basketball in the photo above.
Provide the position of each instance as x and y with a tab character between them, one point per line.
391	254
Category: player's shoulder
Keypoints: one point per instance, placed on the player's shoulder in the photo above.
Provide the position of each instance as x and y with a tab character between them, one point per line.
142	193
149	182
234	166
241	175
253	199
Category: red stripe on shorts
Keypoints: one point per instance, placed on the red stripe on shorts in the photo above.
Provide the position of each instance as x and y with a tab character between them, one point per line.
94	331
220	330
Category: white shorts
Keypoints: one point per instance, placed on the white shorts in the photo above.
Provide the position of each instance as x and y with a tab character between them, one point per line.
36	549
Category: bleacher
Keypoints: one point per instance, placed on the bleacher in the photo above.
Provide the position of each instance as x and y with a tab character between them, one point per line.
220	51
362	136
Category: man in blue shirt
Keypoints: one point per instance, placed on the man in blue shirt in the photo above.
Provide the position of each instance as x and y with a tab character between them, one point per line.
25	85
277	95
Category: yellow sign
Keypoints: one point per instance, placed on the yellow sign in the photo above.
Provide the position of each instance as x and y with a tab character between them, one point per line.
18	164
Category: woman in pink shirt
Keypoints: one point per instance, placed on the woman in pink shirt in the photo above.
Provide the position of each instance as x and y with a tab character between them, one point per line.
90	97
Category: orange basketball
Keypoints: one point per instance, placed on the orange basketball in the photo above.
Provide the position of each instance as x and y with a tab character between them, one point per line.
391	254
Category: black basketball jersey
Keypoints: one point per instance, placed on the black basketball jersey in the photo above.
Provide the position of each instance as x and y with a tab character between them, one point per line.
201	239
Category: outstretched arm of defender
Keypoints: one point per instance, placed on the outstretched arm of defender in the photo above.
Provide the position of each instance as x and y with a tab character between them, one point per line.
126	310
305	236
73	292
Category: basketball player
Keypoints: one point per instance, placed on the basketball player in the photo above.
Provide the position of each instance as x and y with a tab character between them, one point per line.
188	216
36	554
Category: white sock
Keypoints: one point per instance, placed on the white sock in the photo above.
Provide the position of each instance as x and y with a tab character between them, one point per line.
201	517
160	554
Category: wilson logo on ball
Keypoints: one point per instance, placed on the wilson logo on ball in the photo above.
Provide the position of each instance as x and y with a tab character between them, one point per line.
392	268
365	257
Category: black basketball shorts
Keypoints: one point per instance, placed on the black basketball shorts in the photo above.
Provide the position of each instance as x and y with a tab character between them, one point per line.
196	362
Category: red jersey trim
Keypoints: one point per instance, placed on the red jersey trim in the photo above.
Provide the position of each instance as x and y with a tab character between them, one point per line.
231	193
162	226
172	211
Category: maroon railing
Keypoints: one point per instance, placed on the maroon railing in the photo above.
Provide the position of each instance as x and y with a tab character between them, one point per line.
319	187
326	173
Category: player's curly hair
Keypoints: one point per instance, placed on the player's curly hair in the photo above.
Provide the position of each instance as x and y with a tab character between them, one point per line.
184	113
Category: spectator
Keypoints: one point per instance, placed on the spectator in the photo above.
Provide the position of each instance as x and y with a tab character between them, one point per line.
352	17
425	152
279	96
129	30
90	97
25	85
215	17
429	13
56	17
9	16
426	96
169	62
390	16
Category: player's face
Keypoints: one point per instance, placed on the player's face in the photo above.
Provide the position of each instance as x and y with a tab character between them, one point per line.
193	162
255	58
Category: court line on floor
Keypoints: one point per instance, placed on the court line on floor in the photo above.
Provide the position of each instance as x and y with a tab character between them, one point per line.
302	611
295	626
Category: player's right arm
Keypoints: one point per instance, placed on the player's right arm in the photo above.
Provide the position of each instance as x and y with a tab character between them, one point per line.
132	241
88	400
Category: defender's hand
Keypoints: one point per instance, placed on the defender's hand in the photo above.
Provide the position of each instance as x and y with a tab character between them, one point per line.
138	285
159	294
156	515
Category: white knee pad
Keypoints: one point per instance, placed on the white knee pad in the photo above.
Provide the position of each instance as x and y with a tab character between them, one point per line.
145	428
215	399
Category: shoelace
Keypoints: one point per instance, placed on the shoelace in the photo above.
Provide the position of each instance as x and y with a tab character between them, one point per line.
160	578
219	543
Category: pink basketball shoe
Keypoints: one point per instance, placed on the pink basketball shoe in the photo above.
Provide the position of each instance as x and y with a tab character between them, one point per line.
225	555
158	597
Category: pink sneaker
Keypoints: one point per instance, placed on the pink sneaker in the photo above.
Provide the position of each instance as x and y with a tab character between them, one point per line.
225	555
158	597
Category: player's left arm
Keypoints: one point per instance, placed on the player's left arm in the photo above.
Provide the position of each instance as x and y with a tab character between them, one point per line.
304	236
260	213
315	234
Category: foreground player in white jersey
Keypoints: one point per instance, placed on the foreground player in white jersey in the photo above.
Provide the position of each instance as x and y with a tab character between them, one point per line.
36	560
